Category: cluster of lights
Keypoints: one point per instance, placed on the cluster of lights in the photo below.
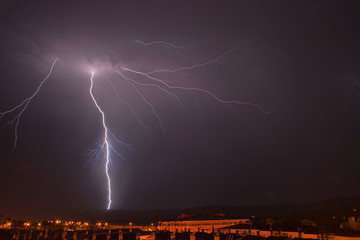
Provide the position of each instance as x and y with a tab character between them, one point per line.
69	224
151	228
99	224
39	224
80	224
7	225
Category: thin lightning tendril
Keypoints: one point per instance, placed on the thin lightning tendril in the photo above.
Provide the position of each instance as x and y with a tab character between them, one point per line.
226	103
25	104
168	84
146	101
195	65
156	86
165	44
146	128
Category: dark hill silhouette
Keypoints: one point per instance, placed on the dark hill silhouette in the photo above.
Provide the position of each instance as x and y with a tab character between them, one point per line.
324	211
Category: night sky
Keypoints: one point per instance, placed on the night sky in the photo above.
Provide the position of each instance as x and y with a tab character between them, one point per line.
298	59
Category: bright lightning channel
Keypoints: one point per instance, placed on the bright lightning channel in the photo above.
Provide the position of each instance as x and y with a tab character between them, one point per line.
105	145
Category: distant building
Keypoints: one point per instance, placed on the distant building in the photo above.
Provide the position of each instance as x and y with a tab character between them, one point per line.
199	225
291	231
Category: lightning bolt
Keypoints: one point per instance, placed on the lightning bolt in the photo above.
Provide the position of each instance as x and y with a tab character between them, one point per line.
146	128
24	104
148	79
165	44
162	43
195	65
105	145
226	103
169	84
156	114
